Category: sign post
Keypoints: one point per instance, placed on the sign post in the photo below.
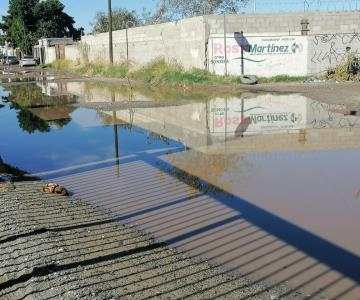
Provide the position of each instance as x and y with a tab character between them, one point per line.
111	53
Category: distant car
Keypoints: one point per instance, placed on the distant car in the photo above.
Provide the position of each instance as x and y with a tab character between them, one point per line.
27	60
11	60
3	59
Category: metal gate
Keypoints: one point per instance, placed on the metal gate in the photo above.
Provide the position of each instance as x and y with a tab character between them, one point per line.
60	51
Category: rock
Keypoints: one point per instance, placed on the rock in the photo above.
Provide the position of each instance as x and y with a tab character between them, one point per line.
6	186
54	188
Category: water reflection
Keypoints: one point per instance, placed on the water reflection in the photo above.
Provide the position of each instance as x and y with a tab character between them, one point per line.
36	111
211	119
64	136
15	173
32	95
263	184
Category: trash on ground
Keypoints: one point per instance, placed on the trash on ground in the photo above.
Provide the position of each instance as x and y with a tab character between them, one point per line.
54	188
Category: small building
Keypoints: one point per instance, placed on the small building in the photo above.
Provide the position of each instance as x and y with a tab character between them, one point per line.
8	50
50	49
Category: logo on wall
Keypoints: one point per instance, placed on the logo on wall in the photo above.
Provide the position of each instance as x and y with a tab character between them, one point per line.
297	48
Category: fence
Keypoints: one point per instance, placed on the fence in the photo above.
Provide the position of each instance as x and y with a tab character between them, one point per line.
272	6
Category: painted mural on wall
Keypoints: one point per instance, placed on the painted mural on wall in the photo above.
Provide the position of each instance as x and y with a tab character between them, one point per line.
260	56
329	50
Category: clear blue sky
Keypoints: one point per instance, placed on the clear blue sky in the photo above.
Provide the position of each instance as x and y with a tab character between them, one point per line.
84	11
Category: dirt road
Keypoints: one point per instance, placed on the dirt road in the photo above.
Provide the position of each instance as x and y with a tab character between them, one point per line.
54	247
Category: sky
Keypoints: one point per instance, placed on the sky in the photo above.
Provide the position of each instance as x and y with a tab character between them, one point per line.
84	11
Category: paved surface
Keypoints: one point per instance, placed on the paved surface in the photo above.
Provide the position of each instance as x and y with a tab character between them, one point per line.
53	247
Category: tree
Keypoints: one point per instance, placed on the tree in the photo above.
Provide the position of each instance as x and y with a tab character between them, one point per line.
16	25
29	20
175	9
52	21
121	19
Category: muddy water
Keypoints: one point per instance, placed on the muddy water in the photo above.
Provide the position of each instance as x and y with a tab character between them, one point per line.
266	185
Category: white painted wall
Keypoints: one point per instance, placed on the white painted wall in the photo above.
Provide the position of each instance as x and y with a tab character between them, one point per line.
268	55
50	55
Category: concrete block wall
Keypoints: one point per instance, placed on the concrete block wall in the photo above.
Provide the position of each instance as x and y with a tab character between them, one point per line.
327	22
50	54
186	41
183	41
329	50
72	53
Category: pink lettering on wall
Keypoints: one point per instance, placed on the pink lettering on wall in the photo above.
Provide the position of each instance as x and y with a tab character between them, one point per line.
220	121
218	48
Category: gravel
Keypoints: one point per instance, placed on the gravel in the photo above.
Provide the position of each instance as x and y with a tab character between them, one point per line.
56	247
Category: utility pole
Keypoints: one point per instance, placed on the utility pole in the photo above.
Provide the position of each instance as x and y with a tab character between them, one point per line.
225	46
111	49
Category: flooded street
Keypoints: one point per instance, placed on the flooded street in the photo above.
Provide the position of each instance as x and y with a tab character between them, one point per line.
266	185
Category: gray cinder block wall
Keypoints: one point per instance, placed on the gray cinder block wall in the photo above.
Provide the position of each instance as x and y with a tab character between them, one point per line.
329	50
329	22
186	41
183	41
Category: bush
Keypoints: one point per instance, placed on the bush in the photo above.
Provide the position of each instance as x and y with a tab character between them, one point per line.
348	70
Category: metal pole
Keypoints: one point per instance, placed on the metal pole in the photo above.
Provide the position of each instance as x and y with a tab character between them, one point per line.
111	53
127	43
116	139
225	45
242	61
254	6
116	142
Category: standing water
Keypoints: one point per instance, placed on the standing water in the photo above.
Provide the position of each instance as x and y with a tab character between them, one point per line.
265	185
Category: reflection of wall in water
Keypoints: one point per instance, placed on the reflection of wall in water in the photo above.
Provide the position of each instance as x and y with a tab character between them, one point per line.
273	114
185	123
263	113
199	124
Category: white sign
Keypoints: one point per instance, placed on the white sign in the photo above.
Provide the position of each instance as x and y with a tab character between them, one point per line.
260	56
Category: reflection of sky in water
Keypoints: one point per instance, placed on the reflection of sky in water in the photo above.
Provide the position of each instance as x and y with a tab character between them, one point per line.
294	194
83	140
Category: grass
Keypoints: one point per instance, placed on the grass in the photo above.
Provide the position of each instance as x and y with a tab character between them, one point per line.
281	78
348	70
160	72
92	69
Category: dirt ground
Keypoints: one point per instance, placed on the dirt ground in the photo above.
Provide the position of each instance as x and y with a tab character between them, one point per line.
55	247
347	93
